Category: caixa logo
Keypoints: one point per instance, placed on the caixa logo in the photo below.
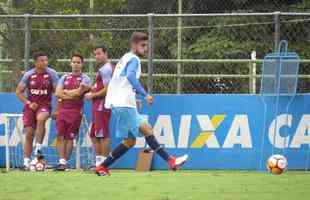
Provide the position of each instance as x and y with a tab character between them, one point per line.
279	132
205	131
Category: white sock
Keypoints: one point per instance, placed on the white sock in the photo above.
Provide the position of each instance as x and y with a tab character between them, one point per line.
34	161
38	148
27	162
100	159
62	161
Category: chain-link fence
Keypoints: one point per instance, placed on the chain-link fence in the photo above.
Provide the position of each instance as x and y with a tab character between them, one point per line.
189	53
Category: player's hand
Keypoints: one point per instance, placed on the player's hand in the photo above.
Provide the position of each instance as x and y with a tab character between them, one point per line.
88	96
33	106
149	99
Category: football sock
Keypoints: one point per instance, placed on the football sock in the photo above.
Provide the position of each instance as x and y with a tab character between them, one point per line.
62	161
100	159
27	162
120	150
153	143
38	148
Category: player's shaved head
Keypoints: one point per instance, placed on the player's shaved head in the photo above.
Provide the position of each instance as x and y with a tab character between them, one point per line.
138	37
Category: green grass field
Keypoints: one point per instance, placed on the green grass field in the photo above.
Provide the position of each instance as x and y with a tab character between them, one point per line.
156	185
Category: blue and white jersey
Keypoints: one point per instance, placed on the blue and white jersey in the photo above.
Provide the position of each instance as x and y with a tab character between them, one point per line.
121	92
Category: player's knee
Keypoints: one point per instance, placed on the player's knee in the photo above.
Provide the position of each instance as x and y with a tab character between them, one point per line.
129	142
146	129
41	119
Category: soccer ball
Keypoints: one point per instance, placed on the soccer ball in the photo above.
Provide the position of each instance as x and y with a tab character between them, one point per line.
277	164
38	166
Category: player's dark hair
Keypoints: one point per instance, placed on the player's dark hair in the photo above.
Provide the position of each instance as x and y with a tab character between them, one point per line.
38	54
101	46
138	36
79	56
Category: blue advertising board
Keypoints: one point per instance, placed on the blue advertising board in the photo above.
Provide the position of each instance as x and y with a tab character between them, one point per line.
216	131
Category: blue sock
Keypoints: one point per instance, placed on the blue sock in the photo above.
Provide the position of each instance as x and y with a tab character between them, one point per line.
120	150
153	143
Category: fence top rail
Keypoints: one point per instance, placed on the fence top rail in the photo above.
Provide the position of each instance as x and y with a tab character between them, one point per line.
156	15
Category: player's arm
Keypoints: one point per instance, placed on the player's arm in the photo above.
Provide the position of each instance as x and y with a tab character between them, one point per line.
55	79
21	89
131	74
99	94
61	94
84	87
20	93
106	75
77	92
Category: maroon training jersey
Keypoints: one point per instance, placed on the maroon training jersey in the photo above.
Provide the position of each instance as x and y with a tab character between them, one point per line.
40	85
103	77
72	81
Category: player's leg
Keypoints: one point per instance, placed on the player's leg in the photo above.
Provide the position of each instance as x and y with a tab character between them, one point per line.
61	148
173	163
28	146
101	135
60	144
98	141
29	120
116	153
69	148
40	134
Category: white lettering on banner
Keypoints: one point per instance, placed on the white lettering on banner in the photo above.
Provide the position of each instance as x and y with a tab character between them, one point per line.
18	136
302	134
163	131
239	133
206	125
184	130
275	137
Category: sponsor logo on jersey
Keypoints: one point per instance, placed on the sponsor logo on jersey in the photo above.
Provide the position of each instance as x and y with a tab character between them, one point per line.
38	92
46	76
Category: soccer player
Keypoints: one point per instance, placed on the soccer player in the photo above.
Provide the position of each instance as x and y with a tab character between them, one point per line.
70	92
39	84
100	135
121	98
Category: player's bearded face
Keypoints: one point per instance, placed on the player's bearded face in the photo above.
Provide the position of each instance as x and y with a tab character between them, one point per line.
41	62
76	64
141	48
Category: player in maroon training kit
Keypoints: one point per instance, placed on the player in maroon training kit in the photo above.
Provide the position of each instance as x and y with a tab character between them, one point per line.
39	84
100	135
70	92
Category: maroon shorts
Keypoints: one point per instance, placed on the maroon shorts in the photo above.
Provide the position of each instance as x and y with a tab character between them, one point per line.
68	123
100	124
30	116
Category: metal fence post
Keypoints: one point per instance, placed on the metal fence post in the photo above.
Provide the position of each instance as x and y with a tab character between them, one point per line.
150	52
27	40
179	65
252	75
277	33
